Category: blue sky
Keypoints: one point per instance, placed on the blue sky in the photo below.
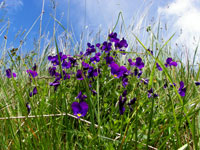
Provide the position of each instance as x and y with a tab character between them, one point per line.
88	16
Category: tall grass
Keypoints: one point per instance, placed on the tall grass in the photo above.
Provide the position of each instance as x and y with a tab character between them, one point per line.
169	121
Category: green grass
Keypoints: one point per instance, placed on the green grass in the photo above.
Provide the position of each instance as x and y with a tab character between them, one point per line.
167	122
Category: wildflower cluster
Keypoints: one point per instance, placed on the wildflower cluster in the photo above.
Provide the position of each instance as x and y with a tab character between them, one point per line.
100	63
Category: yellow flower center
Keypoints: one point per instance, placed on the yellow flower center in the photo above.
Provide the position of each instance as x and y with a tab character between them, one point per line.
115	75
79	114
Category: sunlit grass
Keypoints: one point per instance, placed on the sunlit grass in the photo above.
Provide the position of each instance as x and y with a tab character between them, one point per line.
139	119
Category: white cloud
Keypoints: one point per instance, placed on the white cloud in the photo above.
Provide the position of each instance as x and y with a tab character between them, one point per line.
184	16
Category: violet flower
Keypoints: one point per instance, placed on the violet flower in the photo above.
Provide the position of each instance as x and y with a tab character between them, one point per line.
109	60
33	92
131	102
32	73
52	71
113	37
117	71
79	75
85	65
170	62
182	89
10	74
106	46
91	49
197	83
79	109
152	94
55	83
150	51
121	105
95	58
124	82
158	67
93	72
28	108
81	97
139	64
66	64
122	43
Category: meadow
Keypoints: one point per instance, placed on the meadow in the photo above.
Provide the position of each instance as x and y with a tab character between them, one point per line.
100	97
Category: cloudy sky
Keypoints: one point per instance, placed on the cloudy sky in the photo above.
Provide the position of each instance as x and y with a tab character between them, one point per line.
181	17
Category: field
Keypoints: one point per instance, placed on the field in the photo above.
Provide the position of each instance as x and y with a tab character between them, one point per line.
107	96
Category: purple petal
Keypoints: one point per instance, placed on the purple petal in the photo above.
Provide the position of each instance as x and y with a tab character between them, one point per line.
75	108
84	108
181	84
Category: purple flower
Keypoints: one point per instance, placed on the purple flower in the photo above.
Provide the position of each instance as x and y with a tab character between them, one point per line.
158	67
170	62
79	109
137	73
98	45
95	58
65	75
81	97
139	64
34	92
52	71
72	61
113	37
9	73
151	94
150	51
66	64
54	60
145	81
94	92
182	89
122	51
34	67
172	85
93	72
28	107
197	83
62	57
85	65
121	105
165	85
32	73
109	60
106	46
55	83
121	44
117	71
131	63
125	82
91	49
131	102
79	75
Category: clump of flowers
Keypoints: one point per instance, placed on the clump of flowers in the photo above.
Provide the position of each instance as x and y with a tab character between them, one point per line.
10	74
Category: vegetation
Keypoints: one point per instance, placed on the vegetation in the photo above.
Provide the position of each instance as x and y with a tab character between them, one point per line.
109	96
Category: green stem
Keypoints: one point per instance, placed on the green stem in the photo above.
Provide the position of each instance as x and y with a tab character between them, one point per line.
150	123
